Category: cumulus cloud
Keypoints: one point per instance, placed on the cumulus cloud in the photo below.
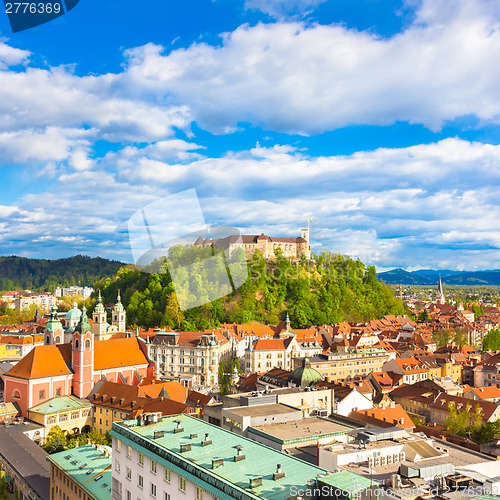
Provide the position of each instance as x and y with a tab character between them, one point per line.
294	77
406	206
10	56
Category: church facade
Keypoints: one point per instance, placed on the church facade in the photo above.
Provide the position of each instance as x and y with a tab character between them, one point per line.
63	369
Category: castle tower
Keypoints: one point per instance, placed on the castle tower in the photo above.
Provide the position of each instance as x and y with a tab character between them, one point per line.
440	298
54	332
304	233
82	357
118	315
99	320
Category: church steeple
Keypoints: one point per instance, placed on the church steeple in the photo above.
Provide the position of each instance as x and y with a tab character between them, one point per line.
287	323
82	356
118	314
53	329
99	320
440	298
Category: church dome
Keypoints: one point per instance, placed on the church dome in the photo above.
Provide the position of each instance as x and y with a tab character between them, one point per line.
305	375
74	313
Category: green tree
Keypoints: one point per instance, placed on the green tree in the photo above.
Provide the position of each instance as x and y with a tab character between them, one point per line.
423	316
491	341
460	337
443	337
56	440
3	487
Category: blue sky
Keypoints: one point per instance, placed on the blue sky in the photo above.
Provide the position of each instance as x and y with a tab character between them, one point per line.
378	119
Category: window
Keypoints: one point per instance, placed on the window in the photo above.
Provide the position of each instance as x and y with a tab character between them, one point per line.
166	496
129	451
41	394
117	465
87	344
141	459
153	489
75	415
128	495
58	391
63	417
199	494
129	473
118	445
153	466
182	484
167	475
140	481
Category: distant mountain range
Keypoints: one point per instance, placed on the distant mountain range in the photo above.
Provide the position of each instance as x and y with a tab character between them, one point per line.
430	277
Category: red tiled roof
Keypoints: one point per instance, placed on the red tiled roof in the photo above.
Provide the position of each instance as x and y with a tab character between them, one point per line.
41	361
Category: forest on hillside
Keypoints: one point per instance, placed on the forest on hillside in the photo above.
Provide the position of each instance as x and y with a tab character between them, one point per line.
43	275
326	289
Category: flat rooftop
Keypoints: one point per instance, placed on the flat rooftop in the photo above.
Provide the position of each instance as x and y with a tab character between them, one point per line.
312	428
230	479
261	410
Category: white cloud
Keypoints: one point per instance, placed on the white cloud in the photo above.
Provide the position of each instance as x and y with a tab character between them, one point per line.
283	8
387	207
10	56
296	78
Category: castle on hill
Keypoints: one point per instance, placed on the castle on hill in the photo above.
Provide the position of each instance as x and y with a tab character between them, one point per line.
292	248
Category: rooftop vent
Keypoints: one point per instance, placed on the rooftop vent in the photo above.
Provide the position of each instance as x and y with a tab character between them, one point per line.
239	454
185	447
256	482
279	474
207	441
193	436
158	434
178	428
217	462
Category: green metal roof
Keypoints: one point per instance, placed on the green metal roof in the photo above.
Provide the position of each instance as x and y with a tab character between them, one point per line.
84	465
8	409
60	403
347	481
232	479
74	313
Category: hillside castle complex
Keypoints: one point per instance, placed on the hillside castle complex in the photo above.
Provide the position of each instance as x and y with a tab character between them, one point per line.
292	248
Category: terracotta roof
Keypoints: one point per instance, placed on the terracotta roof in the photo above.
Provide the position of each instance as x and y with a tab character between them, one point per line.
249	383
164	405
269	344
384	417
195	398
486	392
115	353
41	361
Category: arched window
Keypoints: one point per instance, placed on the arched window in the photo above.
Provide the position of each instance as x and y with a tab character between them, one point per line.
87	344
58	340
48	339
77	343
16	394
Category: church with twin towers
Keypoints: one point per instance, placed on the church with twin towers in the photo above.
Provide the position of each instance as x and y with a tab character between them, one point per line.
56	333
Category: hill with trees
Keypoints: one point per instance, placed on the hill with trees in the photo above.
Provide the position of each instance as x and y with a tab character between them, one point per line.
324	290
21	273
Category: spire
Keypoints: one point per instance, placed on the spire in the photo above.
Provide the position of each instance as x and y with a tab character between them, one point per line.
119	299
83	325
99	306
287	323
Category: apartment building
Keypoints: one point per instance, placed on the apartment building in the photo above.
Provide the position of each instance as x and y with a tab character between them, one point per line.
348	365
191	358
185	457
267	353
